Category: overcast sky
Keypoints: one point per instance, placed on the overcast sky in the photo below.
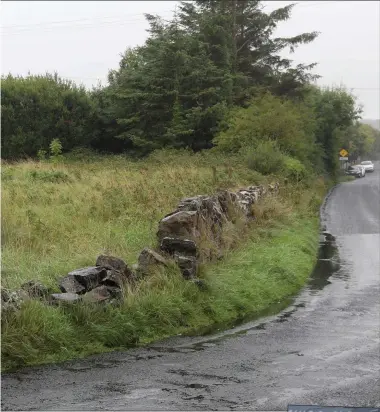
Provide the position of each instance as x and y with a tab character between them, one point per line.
82	40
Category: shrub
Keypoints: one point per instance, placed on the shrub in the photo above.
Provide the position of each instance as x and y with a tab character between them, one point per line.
293	169
289	125
265	158
37	109
56	151
41	154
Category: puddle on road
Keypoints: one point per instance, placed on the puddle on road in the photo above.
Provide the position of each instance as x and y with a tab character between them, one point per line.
327	264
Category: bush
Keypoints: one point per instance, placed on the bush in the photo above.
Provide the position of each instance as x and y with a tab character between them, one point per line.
293	169
37	109
265	158
289	125
41	155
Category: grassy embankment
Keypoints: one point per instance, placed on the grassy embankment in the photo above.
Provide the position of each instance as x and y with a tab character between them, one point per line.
58	218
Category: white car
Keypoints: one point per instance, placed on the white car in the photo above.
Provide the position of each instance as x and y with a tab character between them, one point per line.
368	166
356	170
362	168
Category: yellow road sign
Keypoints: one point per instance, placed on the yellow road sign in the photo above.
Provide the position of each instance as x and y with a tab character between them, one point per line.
343	153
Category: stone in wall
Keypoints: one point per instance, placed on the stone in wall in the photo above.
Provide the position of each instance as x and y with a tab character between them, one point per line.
149	258
118	272
115	279
114	263
180	224
66	297
35	289
69	284
11	300
173	245
83	280
205	216
102	293
188	265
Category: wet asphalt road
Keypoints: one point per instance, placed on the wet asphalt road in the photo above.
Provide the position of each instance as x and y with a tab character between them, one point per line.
324	349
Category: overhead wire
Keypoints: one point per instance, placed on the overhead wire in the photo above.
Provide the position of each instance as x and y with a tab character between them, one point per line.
77	20
83	26
49	26
17	29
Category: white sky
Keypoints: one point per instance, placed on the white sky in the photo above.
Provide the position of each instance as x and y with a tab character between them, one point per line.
82	40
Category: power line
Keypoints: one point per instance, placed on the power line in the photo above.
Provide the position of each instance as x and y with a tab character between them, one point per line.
301	4
78	26
102	20
75	21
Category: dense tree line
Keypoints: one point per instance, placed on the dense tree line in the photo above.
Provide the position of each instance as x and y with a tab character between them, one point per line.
212	76
37	109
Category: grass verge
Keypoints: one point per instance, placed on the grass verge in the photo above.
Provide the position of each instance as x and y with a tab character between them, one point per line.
272	265
269	262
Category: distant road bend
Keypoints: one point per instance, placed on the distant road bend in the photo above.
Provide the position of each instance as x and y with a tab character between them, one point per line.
324	349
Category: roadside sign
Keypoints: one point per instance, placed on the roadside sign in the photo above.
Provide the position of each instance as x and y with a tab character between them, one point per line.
343	158
343	153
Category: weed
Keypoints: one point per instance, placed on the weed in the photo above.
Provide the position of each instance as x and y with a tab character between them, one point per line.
41	155
56	151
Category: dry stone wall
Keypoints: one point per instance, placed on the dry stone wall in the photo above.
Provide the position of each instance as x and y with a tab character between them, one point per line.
184	237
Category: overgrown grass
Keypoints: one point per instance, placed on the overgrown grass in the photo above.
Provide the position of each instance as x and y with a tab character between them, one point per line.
57	218
113	205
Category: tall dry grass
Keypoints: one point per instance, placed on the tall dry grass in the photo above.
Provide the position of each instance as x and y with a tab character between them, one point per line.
56	218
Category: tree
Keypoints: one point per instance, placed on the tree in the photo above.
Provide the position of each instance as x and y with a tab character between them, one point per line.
335	111
167	93
241	34
178	88
360	140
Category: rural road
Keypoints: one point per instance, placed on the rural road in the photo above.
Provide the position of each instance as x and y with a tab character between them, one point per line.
324	349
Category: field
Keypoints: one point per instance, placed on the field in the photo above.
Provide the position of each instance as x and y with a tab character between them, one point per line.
56	218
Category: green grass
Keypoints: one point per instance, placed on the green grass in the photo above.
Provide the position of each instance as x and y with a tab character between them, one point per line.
113	205
57	218
269	267
346	178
